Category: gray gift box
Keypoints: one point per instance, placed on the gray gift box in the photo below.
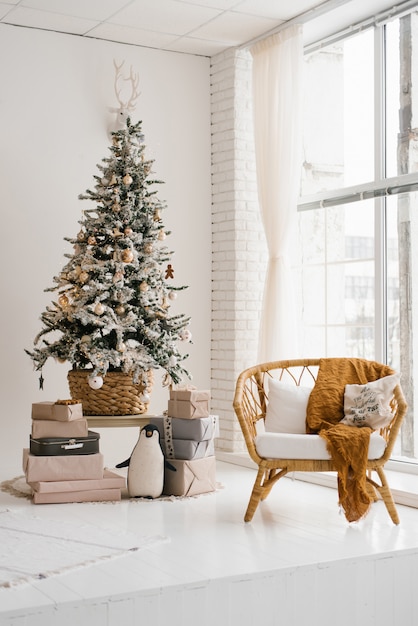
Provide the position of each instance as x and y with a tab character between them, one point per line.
199	429
186	439
187	450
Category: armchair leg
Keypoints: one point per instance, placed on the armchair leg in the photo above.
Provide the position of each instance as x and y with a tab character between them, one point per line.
256	495
386	494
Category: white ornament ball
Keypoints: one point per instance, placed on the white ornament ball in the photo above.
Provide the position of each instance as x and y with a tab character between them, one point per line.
186	335
95	382
145	397
172	361
172	295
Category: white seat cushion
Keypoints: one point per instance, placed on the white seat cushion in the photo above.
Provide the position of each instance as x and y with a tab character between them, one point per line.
290	446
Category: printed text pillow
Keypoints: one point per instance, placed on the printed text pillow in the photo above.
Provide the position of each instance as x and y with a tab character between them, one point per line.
369	404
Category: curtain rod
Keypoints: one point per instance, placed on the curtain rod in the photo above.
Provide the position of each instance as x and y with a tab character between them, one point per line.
375	20
367	191
306	16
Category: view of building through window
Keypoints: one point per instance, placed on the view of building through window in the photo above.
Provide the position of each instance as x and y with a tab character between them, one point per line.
357	264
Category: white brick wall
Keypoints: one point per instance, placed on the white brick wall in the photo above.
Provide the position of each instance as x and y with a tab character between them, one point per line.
238	242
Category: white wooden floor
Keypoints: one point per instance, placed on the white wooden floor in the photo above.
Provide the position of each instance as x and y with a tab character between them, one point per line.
298	562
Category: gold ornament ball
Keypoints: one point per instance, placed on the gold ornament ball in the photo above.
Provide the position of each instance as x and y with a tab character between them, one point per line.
127	255
143	286
161	235
128	231
83	276
113	180
121	347
127	179
63	301
99	309
120	310
91	240
117	277
157	215
148	248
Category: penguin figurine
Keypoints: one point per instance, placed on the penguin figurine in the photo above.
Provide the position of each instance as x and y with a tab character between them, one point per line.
146	465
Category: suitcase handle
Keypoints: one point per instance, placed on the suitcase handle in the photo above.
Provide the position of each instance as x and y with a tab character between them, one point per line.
71	445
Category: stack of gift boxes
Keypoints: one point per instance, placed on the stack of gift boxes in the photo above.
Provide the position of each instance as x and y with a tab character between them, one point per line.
187	436
63	462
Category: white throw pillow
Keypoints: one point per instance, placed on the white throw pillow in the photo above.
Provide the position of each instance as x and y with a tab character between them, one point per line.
369	404
286	409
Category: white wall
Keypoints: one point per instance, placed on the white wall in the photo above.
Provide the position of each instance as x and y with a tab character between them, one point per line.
56	91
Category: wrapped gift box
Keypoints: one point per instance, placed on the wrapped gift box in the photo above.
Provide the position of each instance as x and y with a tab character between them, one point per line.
187	409
94	495
54	468
190	395
187	439
50	428
186	450
57	411
110	480
199	429
191	477
189	403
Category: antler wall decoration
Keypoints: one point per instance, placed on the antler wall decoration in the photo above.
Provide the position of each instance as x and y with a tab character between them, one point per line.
126	103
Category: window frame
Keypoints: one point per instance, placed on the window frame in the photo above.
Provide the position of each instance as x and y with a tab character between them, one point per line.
379	189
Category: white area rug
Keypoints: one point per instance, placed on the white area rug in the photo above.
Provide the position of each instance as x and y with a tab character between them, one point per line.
32	548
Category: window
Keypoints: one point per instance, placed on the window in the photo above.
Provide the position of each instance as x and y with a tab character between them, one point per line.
357	263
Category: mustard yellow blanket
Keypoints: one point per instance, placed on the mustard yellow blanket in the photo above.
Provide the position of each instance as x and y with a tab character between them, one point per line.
347	445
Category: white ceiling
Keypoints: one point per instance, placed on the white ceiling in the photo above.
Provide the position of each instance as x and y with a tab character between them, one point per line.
203	27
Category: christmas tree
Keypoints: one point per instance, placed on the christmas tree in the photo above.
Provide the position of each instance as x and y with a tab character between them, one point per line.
115	291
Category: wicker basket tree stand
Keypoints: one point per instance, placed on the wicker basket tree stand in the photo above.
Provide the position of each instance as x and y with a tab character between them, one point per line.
119	395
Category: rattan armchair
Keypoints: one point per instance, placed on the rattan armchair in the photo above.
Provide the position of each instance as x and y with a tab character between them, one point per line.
250	404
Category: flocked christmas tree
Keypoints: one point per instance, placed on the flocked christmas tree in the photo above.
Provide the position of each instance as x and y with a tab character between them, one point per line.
114	294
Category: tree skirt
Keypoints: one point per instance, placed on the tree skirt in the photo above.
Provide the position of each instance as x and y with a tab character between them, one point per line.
19	487
33	548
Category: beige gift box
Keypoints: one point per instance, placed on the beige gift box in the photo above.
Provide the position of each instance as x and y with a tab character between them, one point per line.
190	395
94	495
110	480
50	428
54	411
191	477
188	409
53	468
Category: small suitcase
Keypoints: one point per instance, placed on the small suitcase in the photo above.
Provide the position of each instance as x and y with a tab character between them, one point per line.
65	446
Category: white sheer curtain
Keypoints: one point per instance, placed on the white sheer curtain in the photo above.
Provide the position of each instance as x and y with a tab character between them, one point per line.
277	69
